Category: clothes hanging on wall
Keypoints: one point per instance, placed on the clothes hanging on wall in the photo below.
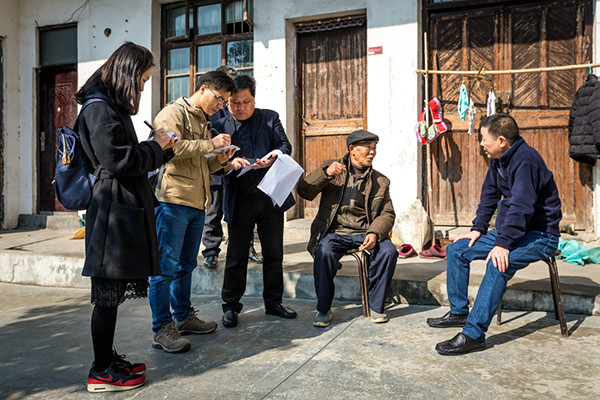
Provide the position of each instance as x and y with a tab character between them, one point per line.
584	122
472	112
463	102
425	134
491	103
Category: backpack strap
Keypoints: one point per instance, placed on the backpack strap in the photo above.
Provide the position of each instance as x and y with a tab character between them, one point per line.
185	121
76	126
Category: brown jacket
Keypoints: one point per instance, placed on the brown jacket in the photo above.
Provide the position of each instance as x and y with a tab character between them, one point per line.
378	204
186	177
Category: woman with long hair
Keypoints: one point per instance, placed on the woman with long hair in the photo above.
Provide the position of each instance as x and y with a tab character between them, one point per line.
121	249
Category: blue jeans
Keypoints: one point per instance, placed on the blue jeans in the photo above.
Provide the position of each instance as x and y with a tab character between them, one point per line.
534	246
179	234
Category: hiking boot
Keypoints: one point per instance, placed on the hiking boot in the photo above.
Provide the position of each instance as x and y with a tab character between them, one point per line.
133	368
378	318
193	324
210	262
113	379
322	319
168	339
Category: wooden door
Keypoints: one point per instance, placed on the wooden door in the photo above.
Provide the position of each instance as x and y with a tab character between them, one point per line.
56	107
510	37
332	91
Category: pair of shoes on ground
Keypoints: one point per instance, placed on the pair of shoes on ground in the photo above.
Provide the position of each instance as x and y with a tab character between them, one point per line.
459	344
169	336
120	375
230	317
323	319
434	251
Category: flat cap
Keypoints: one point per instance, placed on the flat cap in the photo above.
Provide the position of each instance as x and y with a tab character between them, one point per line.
361	136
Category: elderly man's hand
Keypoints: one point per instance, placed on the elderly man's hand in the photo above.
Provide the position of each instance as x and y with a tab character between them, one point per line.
335	169
369	242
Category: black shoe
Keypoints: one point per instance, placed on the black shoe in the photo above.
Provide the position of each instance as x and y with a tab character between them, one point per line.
448	320
459	344
210	262
229	319
253	256
281	311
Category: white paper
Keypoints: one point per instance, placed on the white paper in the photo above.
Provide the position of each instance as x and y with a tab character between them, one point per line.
220	150
281	178
265	158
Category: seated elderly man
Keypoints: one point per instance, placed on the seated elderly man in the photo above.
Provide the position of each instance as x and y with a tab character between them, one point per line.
355	212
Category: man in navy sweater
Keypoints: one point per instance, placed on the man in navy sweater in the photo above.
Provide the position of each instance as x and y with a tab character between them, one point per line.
522	190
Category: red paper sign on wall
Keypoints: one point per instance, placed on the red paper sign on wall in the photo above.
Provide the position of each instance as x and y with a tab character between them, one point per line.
375	50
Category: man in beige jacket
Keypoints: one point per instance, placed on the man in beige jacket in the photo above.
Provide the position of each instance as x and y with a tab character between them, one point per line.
184	196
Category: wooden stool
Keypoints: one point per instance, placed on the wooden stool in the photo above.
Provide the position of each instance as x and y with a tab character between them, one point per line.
363	260
559	308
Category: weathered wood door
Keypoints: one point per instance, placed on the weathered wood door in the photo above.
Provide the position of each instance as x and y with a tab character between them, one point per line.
56	107
332	91
510	37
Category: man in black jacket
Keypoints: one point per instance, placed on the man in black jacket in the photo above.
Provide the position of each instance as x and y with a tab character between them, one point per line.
256	132
520	187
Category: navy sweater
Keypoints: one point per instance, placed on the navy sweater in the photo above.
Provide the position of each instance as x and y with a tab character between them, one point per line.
523	190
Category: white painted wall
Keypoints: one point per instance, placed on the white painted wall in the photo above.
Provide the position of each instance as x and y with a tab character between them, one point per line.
391	78
12	132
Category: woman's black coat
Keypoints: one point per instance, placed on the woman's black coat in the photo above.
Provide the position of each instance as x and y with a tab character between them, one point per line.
120	229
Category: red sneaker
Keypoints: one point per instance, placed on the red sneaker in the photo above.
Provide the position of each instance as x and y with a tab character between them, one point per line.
434	251
113	379
406	250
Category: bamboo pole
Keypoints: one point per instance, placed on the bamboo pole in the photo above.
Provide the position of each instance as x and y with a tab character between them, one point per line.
427	71
429	169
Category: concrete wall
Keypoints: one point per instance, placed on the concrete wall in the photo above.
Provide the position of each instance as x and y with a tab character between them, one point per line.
391	78
11	129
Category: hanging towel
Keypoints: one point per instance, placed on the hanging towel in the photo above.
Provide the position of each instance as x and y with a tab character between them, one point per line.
491	103
472	113
463	102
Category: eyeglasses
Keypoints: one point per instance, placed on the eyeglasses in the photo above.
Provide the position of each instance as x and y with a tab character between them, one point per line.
222	102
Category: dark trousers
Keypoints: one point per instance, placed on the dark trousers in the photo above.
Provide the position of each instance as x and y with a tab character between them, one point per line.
213	230
250	211
331	249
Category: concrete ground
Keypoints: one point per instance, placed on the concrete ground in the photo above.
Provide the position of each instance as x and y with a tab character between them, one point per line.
46	352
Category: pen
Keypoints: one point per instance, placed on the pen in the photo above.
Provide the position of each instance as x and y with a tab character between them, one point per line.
149	125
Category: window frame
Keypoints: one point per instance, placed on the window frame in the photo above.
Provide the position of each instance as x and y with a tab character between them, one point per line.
193	41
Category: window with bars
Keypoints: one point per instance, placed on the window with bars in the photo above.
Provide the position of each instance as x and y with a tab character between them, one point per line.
199	36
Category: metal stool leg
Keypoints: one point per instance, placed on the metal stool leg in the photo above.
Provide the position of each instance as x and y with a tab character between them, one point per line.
559	308
363	280
499	314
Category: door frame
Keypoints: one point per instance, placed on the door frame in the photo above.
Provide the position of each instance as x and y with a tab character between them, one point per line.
39	124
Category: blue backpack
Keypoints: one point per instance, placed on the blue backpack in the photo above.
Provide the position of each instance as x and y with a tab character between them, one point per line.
73	182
